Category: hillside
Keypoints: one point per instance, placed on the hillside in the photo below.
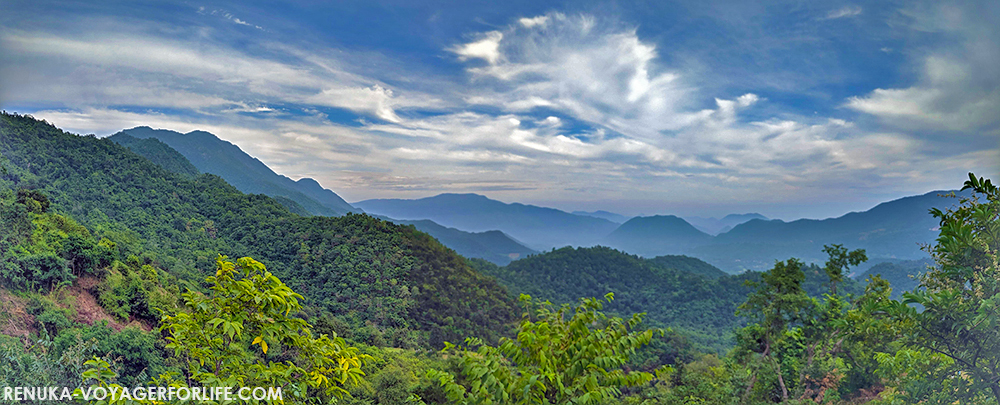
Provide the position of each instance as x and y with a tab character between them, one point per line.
688	264
539	228
656	235
392	284
702	307
209	154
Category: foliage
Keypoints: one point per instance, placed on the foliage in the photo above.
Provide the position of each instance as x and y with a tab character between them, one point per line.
226	337
961	297
573	354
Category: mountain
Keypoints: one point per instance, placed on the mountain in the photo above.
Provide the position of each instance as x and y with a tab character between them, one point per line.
387	284
714	226
610	216
688	264
540	228
209	154
669	290
890	230
159	153
656	235
494	246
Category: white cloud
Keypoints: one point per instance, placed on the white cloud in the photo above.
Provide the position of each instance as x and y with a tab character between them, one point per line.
958	88
532	22
846	11
486	48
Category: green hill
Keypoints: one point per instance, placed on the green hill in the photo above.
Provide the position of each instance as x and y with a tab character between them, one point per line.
392	284
688	264
681	292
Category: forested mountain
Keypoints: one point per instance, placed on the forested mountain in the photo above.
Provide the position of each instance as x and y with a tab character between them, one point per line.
159	153
681	292
391	283
212	155
714	226
688	264
656	235
538	227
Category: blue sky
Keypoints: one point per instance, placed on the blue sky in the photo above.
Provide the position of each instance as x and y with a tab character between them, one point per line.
791	109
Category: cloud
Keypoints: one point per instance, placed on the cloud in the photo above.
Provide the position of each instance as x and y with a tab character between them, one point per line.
957	88
486	48
595	70
532	22
130	69
846	11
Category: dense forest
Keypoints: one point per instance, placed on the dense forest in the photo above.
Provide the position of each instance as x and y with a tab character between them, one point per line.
118	270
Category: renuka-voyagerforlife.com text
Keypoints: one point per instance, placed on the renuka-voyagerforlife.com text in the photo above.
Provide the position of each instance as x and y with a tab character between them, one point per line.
116	393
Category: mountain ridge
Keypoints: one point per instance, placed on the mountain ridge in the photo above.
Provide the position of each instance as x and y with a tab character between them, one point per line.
211	154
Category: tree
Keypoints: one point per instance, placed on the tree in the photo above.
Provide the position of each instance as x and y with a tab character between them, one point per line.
961	296
570	355
777	302
244	334
839	261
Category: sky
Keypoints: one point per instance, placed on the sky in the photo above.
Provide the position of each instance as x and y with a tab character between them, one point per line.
790	109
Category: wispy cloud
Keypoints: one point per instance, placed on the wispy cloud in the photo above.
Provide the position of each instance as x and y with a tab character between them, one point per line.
846	11
958	88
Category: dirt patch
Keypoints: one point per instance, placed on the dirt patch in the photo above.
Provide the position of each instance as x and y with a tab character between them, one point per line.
14	320
88	283
88	310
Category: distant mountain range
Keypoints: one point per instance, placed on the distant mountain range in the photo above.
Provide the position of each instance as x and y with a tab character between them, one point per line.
610	216
494	246
713	226
538	227
476	226
890	231
209	154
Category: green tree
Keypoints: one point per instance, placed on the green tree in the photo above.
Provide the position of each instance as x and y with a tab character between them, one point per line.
777	303
840	260
244	333
569	355
961	296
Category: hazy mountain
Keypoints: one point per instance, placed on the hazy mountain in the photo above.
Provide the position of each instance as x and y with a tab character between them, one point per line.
656	235
209	154
715	226
891	230
610	216
538	227
494	246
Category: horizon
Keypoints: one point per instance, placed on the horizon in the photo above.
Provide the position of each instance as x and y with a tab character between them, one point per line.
690	109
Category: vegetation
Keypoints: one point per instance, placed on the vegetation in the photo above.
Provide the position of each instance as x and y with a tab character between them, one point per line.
569	355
